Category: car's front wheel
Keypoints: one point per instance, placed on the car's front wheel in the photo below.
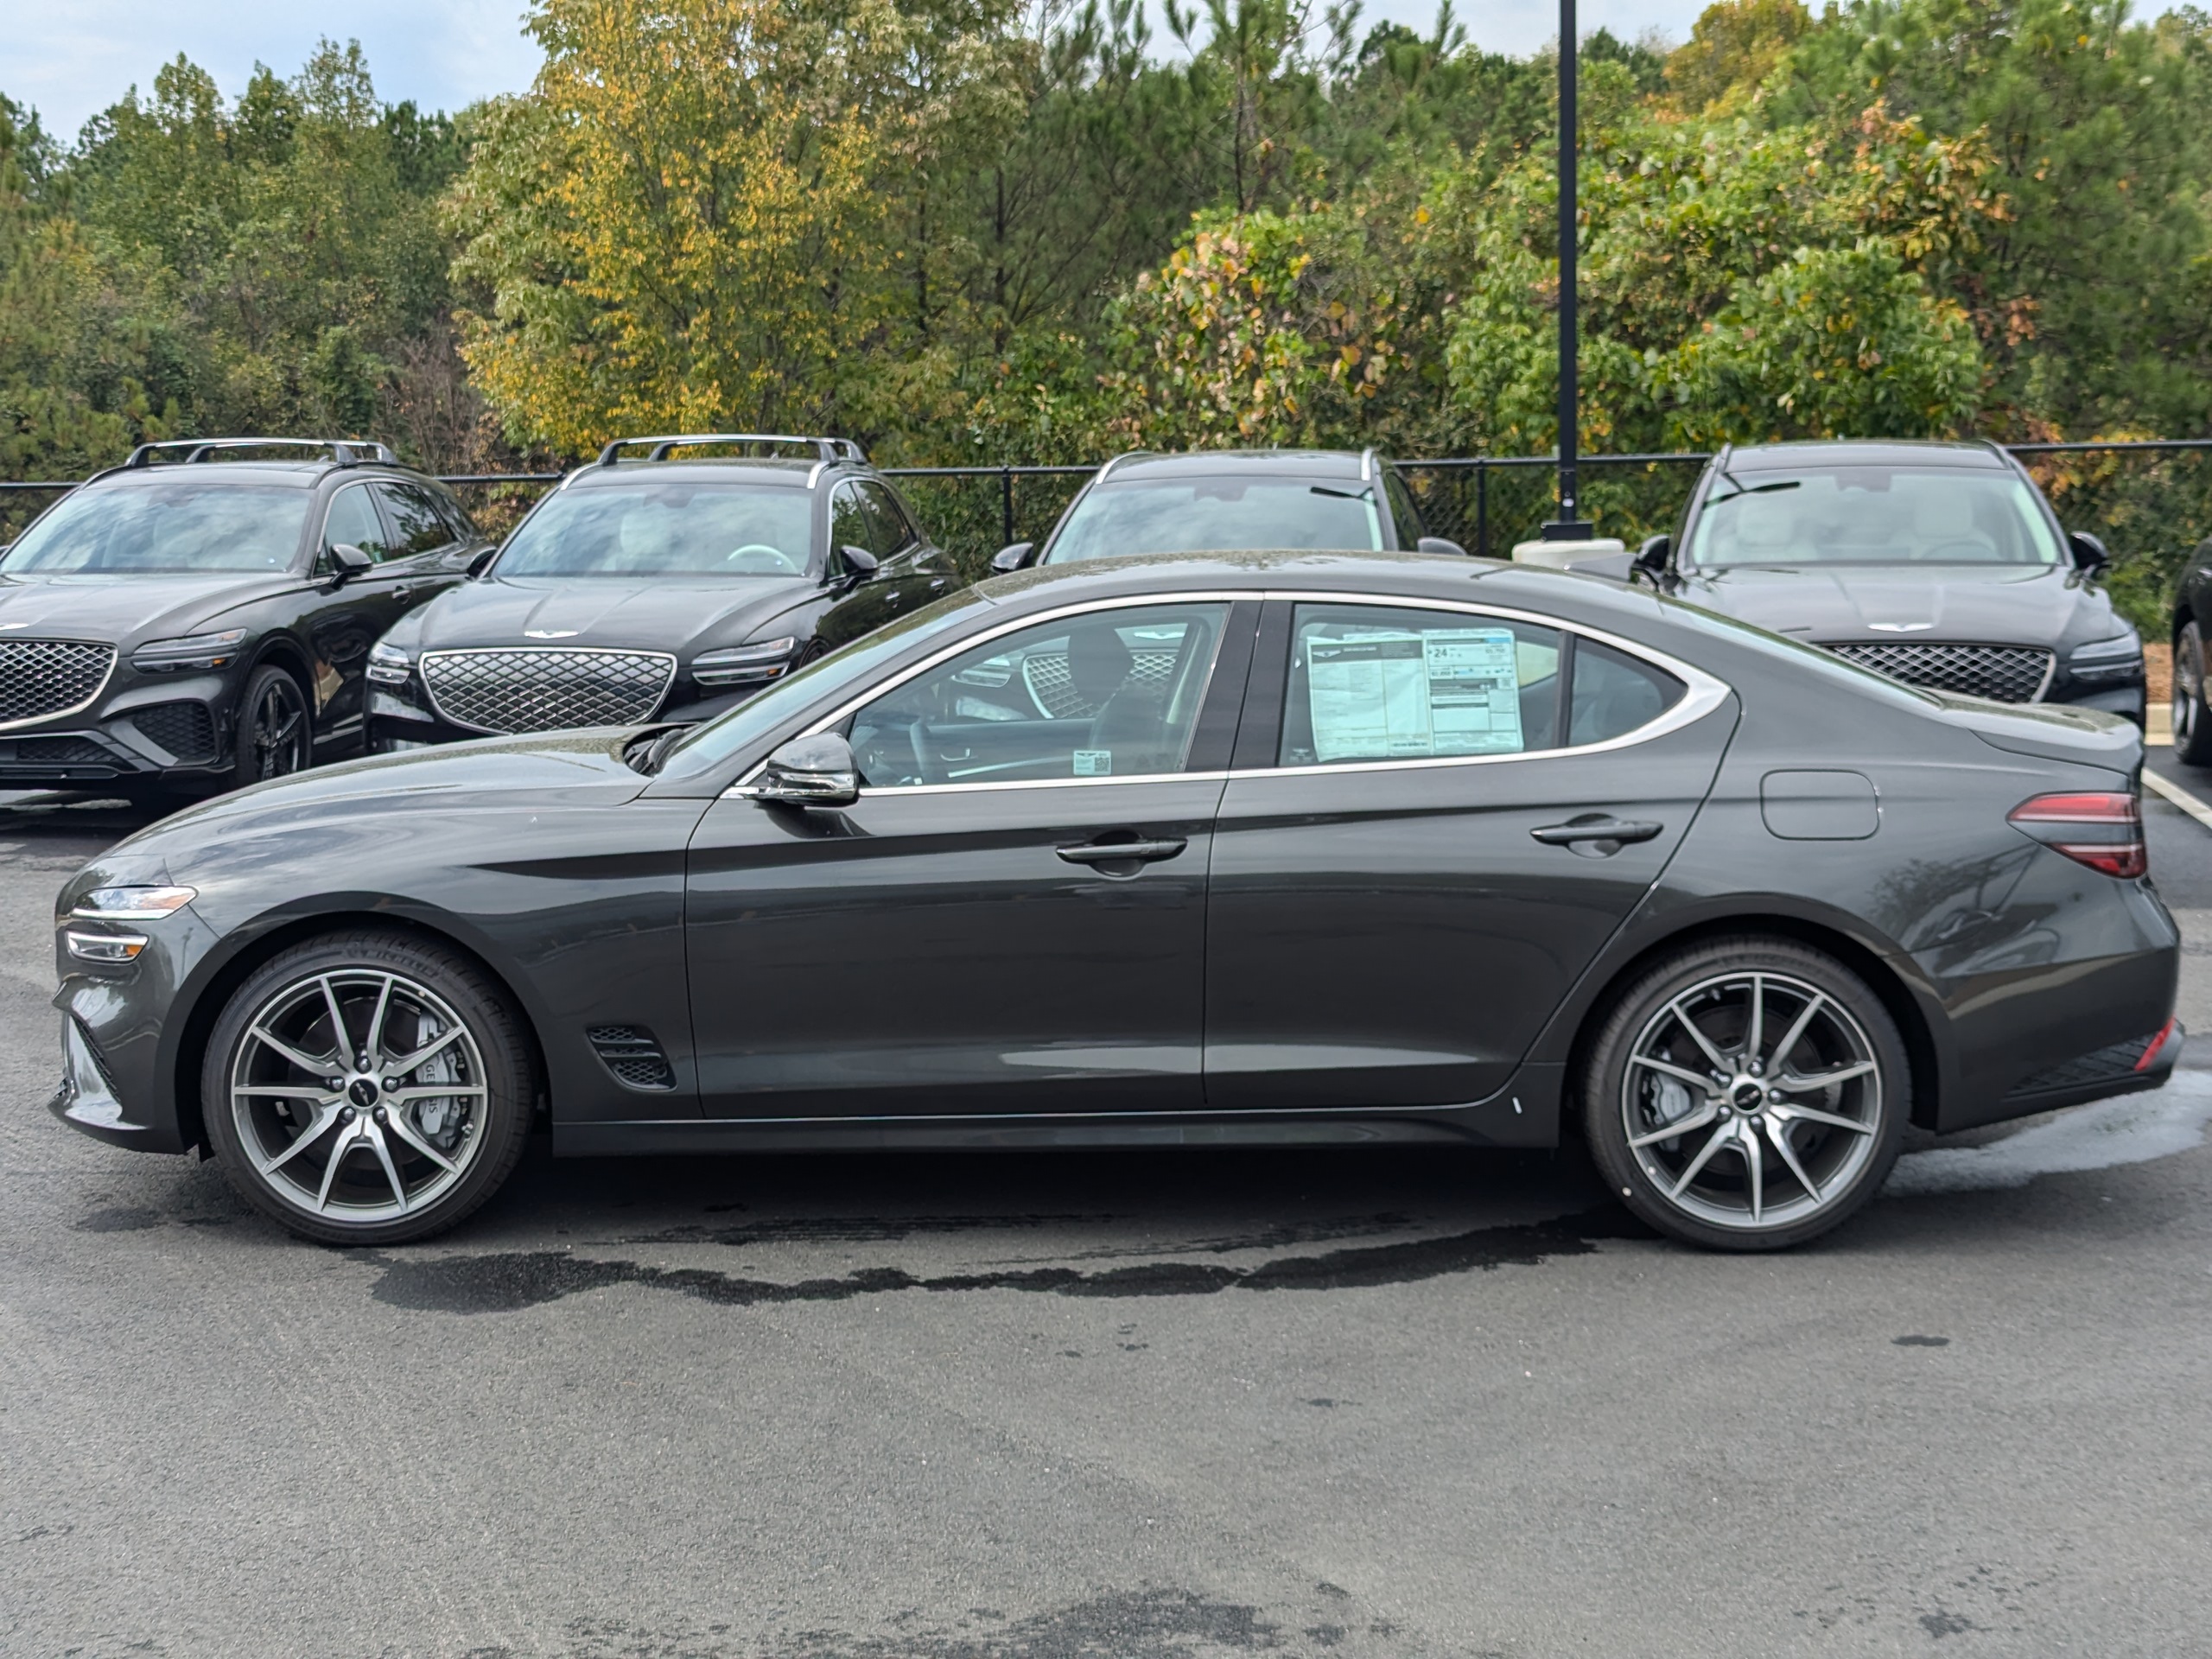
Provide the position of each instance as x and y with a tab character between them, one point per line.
2192	719
1746	1094
367	1088
273	736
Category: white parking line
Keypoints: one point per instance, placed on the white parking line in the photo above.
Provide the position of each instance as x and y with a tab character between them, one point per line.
2180	797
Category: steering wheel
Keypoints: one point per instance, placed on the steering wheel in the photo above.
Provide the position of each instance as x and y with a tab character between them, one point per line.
921	753
757	554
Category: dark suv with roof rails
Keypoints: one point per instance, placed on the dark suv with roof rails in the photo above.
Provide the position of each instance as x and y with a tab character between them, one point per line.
201	617
1937	563
663	587
1228	501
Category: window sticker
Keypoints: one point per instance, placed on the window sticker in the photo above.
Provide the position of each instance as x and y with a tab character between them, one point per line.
1393	693
1094	763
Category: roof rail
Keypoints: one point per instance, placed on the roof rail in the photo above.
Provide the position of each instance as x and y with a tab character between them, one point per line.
1126	454
1367	466
346	452
824	448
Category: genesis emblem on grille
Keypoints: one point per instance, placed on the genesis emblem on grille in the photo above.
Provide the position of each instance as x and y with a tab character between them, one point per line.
39	678
541	689
2002	673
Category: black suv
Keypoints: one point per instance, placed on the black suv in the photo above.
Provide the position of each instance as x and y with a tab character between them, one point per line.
665	586
1234	500
1939	564
200	616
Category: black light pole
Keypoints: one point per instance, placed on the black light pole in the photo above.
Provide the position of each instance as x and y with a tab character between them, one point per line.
1569	526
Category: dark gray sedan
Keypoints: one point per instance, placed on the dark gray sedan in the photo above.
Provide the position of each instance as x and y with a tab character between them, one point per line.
1228	850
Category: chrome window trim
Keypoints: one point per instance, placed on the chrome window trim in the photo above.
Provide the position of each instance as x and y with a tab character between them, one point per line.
1705	694
114	657
668	682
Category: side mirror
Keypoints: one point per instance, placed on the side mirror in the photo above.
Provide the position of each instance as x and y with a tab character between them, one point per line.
1440	545
347	560
481	562
2090	554
815	771
859	563
1654	556
1014	556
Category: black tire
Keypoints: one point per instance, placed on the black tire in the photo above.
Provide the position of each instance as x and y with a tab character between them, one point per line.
393	991
1817	1150
274	736
2192	718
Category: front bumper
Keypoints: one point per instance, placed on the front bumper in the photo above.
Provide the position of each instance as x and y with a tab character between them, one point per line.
174	730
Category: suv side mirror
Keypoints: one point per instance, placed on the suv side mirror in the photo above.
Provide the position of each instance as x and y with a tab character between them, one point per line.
1440	545
859	563
1654	556
347	560
1014	556
2090	554
815	771
482	561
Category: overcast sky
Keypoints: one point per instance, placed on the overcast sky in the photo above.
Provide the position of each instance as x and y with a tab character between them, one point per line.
69	59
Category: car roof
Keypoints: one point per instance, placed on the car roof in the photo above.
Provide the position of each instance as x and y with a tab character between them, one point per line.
1250	463
1864	452
301	474
793	471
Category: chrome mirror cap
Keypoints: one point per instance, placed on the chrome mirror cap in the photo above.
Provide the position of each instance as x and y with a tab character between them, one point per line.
817	771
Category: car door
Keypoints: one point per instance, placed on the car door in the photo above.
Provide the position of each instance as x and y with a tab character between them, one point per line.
350	616
1012	917
1439	815
914	572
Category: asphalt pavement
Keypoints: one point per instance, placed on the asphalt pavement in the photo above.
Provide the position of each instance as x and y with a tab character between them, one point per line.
1170	1406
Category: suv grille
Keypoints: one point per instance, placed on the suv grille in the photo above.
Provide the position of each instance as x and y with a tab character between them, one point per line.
633	1055
61	752
185	729
528	691
2005	673
38	677
1052	684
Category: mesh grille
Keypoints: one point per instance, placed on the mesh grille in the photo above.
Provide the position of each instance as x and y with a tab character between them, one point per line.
187	730
2007	673
526	691
61	752
2099	1066
49	676
633	1055
1052	683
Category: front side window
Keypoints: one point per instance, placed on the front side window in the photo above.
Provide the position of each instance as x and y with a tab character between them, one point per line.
664	528
1111	693
893	537
419	525
352	522
174	526
1410	529
1370	683
849	523
1223	514
1871	515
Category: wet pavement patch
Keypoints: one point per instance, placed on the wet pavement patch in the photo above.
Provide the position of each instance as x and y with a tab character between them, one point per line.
1920	1342
507	1282
129	1218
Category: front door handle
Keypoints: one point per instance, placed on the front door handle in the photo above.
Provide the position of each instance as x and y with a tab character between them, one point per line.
1121	852
1594	830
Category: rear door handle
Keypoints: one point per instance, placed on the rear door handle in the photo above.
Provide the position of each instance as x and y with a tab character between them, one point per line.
1597	827
1121	852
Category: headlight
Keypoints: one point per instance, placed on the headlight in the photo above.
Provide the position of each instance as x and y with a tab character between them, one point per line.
133	904
194	651
389	665
106	947
743	664
2107	658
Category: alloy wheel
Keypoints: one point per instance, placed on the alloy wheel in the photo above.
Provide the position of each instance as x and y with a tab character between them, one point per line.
1752	1101
2188	686
277	728
357	1095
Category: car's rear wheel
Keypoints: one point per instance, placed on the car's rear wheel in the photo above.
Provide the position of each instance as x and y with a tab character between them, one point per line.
2192	719
273	736
1746	1094
367	1089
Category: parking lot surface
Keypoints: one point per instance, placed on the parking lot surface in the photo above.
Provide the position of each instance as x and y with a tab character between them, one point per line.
1020	1407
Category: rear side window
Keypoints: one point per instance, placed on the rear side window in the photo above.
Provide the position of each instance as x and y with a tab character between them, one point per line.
1370	684
1614	693
419	527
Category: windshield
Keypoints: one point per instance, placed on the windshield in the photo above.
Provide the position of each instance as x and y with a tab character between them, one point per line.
172	526
1873	515
665	528
705	746
1228	514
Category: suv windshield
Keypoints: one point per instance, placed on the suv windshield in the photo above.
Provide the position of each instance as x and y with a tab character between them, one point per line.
1226	514
1873	515
665	528
175	526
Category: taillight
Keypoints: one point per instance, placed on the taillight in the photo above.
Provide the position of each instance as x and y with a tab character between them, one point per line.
2104	831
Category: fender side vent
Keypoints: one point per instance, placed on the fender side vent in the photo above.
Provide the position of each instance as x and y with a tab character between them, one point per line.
633	1055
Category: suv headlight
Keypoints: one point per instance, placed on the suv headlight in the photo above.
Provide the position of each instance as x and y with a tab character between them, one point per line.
132	903
764	659
192	650
389	665
2103	659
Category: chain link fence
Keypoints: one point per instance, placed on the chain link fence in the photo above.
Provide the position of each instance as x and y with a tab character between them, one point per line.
2149	500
